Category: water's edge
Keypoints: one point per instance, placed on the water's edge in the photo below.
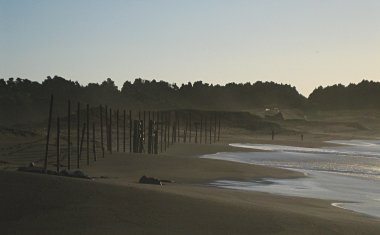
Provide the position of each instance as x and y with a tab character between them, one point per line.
346	176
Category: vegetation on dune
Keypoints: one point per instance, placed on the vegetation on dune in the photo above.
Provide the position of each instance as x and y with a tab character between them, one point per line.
22	100
364	95
26	100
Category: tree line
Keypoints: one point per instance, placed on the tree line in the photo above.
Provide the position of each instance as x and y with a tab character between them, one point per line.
364	95
22	100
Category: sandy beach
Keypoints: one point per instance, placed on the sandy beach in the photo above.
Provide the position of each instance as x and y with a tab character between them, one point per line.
115	203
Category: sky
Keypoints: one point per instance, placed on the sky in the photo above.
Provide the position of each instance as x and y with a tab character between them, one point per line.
304	43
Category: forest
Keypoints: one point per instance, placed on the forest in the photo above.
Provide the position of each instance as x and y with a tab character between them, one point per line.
22	100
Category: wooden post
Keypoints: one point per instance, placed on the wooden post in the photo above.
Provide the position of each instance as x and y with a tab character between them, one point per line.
210	127
117	130
110	130
93	141
214	127
185	131
58	149
161	130
150	127
178	129
107	132
166	126
88	133
219	127
169	126
130	131
48	133
272	134
206	129
147	126
144	126
190	127
174	131
196	132
200	130
124	116
156	135
81	143
135	136
140	136
68	134
101	130
78	134
153	131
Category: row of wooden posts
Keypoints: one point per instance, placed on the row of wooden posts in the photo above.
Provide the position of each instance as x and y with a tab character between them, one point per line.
162	132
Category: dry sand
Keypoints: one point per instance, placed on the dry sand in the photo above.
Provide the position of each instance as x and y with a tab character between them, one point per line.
117	204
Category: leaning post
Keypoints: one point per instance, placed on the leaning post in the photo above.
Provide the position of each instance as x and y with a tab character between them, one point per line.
48	133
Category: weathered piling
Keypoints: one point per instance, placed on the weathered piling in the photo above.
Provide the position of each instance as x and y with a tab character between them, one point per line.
219	127
201	130
117	130
169	126
138	142
88	133
110	131
165	126
190	127
130	131
48	133
144	125
210	127
124	133
206	129
154	132
177	127
107	131
185	130
93	141
147	131
196	132
58	144
81	144
215	127
78	134
161	130
101	130
150	129
155	147
68	134
141	137
172	126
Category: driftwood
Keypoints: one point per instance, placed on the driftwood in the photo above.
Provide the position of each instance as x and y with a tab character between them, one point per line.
150	180
32	168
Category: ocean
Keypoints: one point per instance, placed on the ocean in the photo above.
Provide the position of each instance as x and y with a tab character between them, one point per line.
347	174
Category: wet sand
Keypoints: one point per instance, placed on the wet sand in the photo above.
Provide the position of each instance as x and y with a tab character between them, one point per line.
114	203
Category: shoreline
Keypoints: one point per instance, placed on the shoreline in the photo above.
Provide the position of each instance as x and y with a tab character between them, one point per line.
187	206
301	185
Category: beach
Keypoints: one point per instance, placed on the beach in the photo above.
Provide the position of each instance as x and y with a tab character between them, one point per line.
115	203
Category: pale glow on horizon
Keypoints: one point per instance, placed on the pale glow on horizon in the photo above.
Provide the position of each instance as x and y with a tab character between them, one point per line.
302	43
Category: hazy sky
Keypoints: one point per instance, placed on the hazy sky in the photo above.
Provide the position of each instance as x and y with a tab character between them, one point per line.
298	42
